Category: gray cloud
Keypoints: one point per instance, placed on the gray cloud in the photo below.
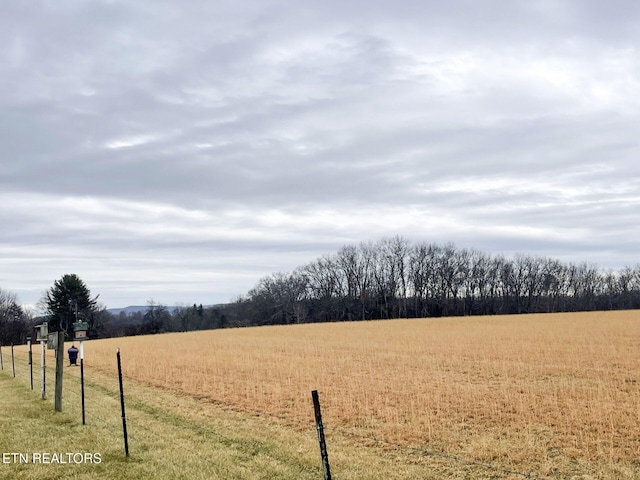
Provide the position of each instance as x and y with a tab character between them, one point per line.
179	151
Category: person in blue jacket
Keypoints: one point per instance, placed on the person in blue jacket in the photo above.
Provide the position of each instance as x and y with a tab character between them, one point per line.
73	355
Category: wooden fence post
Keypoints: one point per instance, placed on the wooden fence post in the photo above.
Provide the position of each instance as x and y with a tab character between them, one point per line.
320	430
13	361
59	370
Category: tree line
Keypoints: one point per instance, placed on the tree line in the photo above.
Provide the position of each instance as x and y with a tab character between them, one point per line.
158	318
69	302
393	278
389	278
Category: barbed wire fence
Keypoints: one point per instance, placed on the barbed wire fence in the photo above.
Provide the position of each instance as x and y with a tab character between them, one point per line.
103	407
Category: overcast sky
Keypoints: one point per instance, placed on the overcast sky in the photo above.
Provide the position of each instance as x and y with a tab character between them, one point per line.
180	150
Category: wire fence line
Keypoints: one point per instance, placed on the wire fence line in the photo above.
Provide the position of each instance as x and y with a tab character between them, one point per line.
101	403
103	407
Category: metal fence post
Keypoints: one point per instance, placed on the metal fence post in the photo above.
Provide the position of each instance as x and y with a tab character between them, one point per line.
124	417
320	430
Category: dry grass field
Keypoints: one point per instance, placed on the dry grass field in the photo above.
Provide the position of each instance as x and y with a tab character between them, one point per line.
555	395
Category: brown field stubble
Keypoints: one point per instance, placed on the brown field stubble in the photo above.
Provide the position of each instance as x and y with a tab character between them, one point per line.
516	390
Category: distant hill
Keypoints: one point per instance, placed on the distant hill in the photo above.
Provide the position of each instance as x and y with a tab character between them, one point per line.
138	308
143	308
128	310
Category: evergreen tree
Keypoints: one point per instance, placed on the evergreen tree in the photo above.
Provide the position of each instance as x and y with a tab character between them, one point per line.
67	300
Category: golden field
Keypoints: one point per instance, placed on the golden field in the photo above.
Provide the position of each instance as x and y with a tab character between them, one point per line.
533	393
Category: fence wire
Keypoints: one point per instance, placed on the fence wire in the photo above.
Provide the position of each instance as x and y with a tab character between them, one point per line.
99	410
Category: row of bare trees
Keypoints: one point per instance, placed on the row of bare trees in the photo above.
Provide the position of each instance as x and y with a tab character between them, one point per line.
390	278
394	278
15	323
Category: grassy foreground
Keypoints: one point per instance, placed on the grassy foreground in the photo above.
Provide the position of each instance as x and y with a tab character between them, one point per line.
163	443
180	437
534	396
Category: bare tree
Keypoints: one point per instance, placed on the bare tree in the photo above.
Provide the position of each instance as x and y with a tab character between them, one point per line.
394	278
14	322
